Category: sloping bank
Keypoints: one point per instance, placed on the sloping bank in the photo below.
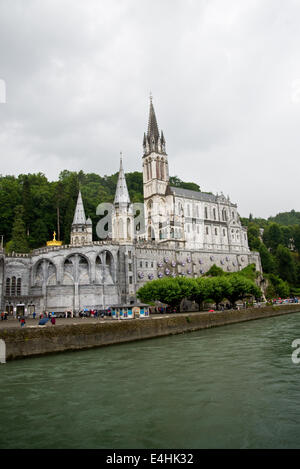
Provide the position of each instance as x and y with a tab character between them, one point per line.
29	342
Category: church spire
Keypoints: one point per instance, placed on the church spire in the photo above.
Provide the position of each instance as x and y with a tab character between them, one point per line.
153	141
122	195
152	123
79	215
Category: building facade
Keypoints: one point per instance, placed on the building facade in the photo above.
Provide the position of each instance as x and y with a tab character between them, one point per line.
182	233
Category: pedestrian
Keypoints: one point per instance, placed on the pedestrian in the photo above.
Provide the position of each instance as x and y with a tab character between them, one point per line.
33	314
2	316
22	322
53	320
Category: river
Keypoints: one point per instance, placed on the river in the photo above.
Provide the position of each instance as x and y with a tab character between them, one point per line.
228	387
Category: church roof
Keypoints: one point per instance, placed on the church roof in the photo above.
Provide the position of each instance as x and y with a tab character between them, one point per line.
79	215
201	196
122	195
189	194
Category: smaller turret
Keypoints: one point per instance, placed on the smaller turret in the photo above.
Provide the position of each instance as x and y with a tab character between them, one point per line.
82	229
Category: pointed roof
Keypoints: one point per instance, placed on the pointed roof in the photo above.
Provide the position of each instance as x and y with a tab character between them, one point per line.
122	195
152	123
79	215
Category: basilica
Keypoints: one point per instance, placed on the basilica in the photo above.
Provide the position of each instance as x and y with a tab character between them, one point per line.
176	232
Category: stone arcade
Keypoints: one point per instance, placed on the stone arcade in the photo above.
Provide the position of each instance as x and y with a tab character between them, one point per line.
185	233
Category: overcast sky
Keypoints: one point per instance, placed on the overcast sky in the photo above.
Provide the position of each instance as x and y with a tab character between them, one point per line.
225	79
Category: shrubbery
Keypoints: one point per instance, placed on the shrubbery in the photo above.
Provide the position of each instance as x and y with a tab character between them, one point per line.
172	291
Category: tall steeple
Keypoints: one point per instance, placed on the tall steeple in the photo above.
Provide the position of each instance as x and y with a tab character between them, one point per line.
121	195
153	132
79	215
122	213
153	141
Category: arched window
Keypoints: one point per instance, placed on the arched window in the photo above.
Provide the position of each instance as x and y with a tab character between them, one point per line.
128	228
19	285
214	213
224	215
157	169
13	286
7	288
162	172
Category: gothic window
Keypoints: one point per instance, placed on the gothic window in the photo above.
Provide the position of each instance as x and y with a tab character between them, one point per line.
232	214
157	169
121	234
128	228
13	286
147	169
162	170
7	289
19	283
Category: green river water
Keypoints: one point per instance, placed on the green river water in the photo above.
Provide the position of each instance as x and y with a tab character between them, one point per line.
228	387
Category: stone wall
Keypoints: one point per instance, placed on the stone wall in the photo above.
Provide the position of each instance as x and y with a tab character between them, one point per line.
28	342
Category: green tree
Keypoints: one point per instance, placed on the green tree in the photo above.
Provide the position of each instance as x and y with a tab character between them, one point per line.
170	291
253	237
200	290
19	239
273	236
241	287
285	264
267	260
215	271
220	289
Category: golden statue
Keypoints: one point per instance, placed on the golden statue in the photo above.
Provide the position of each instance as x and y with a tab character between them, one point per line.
54	242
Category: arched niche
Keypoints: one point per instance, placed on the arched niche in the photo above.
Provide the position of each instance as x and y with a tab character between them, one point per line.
105	268
77	267
43	270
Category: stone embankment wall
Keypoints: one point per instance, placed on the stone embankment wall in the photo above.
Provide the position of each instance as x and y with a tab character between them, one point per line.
27	342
